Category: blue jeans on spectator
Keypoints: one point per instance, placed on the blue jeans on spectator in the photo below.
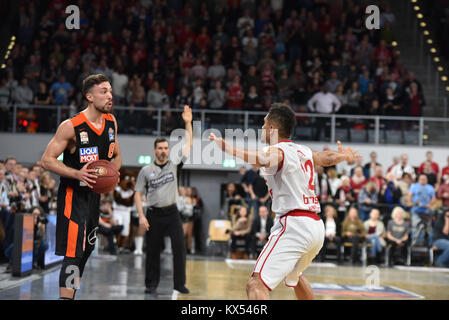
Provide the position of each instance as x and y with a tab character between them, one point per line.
443	244
364	212
376	246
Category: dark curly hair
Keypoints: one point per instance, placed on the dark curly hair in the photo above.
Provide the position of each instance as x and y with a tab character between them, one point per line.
283	116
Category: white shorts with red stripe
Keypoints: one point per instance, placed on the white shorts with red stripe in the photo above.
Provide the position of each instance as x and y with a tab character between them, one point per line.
295	239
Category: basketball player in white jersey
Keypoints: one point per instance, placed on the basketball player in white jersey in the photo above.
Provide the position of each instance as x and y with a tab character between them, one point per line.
298	232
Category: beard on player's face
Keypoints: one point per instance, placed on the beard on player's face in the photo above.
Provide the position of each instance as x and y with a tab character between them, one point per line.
102	109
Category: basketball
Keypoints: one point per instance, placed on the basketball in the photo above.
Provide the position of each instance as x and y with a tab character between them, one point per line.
107	176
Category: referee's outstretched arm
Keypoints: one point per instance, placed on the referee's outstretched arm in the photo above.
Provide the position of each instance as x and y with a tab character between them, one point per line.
187	117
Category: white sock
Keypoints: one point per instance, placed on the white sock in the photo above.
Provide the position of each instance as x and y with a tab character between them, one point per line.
138	241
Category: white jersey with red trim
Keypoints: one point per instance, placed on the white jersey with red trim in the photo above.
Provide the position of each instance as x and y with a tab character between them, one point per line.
291	184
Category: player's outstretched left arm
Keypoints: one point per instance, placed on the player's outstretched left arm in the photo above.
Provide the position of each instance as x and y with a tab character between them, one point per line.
267	158
330	157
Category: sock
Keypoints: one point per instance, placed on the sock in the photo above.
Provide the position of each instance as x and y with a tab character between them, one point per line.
138	241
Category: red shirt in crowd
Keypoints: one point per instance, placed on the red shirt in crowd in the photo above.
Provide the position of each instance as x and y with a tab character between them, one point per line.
435	167
235	94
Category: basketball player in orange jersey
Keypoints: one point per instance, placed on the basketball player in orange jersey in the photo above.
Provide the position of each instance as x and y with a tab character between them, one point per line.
88	136
298	232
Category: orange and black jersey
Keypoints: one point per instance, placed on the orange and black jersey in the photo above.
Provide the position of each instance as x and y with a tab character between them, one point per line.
91	144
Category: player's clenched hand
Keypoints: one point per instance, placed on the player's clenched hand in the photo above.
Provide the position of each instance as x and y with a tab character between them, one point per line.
219	141
87	175
350	154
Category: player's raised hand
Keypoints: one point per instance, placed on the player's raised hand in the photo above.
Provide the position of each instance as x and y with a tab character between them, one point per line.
350	154
187	114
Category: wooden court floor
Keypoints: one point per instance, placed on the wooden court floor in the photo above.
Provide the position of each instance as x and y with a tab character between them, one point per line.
227	280
211	278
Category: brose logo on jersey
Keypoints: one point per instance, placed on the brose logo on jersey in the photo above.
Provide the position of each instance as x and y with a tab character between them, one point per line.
88	154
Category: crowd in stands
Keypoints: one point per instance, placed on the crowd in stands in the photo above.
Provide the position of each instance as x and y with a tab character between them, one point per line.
25	190
392	207
220	55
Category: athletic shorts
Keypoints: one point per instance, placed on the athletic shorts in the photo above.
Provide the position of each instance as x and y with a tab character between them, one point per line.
78	212
295	239
123	217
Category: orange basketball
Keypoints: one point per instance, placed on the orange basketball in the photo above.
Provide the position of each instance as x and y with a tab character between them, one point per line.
107	176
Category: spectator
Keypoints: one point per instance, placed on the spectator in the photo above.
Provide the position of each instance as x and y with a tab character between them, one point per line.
375	234
414	102
323	102
372	165
429	159
198	93
253	101
198	71
367	200
395	163
240	233
46	191
390	193
441	239
107	226
333	83
43	116
235	94
258	192
40	242
353	231
197	221
353	99
404	185
422	196
61	91
260	230
119	84
432	178
402	167
216	72
184	98
392	104
332	232
443	191
334	182
155	97
378	178
397	235
232	197
248	178
216	96
23	94
344	196
185	205
358	180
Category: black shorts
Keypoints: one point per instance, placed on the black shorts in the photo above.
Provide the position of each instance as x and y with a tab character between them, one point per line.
78	213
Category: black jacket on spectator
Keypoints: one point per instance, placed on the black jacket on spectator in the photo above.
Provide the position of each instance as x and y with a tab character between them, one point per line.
255	228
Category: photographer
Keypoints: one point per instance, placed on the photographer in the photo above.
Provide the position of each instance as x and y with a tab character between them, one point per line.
40	242
441	239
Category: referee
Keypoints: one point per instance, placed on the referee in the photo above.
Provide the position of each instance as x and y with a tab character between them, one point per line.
158	183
